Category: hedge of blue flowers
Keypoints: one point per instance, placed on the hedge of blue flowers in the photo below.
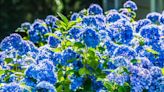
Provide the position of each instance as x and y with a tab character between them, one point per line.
94	51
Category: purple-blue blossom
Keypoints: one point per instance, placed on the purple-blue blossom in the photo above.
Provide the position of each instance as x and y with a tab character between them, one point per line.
130	4
95	9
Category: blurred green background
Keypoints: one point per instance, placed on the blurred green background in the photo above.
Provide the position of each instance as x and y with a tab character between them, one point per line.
15	12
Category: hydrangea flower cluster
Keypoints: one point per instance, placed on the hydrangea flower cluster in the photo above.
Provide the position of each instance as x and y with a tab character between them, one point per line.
95	51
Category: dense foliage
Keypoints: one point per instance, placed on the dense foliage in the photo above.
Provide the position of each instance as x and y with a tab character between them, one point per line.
93	52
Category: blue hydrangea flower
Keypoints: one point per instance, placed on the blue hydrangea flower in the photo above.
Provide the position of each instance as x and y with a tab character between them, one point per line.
155	72
90	21
96	85
155	59
119	78
101	20
121	32
113	17
144	63
44	86
39	29
69	56
82	13
161	19
103	34
51	21
76	82
150	32
156	81
154	17
33	49
77	64
160	84
74	16
126	52
12	87
110	65
161	58
56	58
74	33
110	47
90	37
95	9
34	36
23	48
140	79
2	56
53	42
26	26
29	81
120	61
97	21
157	85
130	4
127	14
141	23
13	78
44	53
162	31
11	42
44	71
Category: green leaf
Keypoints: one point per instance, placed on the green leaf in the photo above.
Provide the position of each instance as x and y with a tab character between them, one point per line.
126	84
121	89
61	24
19	73
59	49
60	88
52	34
101	49
152	51
70	24
134	61
63	17
126	70
70	72
162	69
60	75
92	58
8	60
78	20
2	72
109	86
141	42
83	71
79	45
68	43
26	87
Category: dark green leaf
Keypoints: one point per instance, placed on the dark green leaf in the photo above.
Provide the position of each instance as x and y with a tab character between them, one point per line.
79	45
8	60
133	61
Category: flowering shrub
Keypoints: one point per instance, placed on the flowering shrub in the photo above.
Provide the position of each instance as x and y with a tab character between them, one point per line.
93	52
